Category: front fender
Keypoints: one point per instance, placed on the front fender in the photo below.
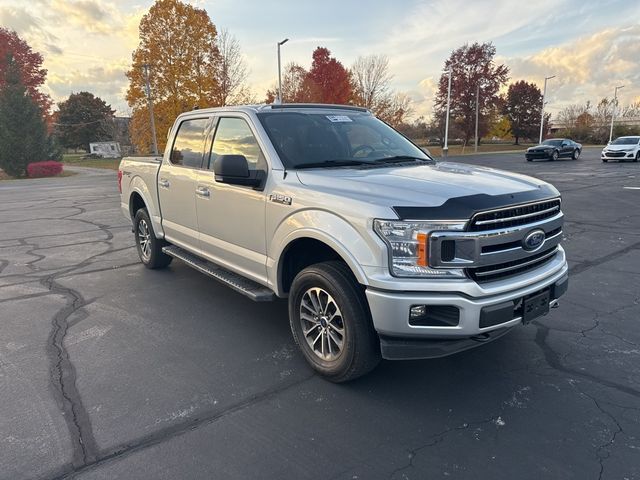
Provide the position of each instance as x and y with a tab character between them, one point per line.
334	231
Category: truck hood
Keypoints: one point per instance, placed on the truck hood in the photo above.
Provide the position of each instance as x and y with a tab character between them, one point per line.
420	185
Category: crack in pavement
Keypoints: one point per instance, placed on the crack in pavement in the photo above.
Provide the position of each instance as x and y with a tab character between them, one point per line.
63	374
587	264
553	360
603	452
164	434
438	438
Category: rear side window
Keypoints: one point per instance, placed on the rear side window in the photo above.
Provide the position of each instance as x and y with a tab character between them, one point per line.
189	143
234	137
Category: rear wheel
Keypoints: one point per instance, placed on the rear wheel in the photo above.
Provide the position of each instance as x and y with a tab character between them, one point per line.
148	245
331	323
576	154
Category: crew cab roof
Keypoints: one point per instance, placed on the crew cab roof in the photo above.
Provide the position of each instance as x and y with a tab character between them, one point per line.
280	107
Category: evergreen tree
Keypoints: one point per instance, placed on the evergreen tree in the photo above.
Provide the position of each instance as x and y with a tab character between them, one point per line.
23	135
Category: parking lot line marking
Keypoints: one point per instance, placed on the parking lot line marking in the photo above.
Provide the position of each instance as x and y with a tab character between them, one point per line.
632	188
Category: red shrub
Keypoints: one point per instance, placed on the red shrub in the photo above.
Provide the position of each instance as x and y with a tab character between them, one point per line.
49	168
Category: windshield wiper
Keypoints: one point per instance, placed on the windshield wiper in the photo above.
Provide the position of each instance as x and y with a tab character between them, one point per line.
402	158
331	163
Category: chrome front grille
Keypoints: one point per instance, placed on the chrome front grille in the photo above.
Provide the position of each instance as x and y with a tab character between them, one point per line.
512	216
493	246
501	270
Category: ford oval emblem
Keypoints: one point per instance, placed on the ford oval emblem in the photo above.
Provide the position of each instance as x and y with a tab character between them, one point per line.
534	240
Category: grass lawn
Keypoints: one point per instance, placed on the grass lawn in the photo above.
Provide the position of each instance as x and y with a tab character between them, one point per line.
75	160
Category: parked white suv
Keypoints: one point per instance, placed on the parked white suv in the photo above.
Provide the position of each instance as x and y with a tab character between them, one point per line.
622	148
381	251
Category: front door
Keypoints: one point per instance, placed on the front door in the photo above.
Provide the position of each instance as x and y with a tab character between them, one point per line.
177	181
231	218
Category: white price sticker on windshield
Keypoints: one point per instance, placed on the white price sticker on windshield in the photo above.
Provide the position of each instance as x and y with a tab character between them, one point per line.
339	118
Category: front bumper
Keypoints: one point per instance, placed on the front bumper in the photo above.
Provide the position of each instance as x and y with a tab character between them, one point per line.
400	339
618	155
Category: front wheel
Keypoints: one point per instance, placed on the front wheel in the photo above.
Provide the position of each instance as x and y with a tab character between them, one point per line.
148	245
554	155
576	154
331	323
637	157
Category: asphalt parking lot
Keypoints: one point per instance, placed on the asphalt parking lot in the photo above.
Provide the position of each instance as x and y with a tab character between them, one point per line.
109	370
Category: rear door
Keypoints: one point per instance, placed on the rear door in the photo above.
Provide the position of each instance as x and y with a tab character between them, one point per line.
177	181
231	218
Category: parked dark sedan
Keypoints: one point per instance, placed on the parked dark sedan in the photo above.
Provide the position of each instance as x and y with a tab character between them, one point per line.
553	149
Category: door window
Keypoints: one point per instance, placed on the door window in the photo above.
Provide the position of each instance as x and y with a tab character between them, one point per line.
189	142
234	137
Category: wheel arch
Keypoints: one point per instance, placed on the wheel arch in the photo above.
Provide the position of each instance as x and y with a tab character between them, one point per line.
307	248
141	197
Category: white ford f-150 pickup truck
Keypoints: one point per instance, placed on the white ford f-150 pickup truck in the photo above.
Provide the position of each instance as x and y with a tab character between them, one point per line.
381	251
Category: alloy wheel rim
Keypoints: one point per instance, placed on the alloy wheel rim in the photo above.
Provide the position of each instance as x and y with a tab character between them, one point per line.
322	324
144	239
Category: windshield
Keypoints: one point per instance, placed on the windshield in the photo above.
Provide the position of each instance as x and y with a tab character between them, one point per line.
337	139
625	141
554	143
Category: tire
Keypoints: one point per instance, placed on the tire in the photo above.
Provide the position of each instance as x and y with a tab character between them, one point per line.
345	346
528	159
150	252
554	155
576	154
604	160
637	157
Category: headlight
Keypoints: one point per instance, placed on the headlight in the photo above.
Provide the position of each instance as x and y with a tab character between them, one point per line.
408	244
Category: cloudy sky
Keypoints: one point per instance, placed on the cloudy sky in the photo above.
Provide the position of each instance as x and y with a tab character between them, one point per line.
590	45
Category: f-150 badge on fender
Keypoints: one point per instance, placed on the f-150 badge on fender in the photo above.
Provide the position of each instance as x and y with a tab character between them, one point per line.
279	198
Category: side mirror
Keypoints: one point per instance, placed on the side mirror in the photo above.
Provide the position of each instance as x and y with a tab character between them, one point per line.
234	170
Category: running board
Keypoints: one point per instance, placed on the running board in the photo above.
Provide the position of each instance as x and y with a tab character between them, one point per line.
251	289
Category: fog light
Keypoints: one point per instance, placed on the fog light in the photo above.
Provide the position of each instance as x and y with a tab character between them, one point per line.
417	311
434	316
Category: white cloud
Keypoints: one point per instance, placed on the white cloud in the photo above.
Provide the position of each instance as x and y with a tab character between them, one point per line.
586	68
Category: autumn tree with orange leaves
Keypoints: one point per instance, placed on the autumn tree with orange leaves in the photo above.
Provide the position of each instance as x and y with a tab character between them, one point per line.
178	43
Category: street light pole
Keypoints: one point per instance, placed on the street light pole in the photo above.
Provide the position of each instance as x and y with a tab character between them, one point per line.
613	113
475	149
150	102
445	149
279	99
544	94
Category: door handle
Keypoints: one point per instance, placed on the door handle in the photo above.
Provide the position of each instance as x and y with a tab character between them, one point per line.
164	183
202	191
